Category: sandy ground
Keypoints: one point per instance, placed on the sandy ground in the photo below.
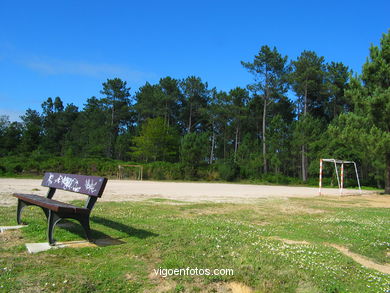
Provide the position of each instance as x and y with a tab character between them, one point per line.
127	190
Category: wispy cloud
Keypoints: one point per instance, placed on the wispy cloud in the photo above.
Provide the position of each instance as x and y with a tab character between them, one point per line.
13	115
100	70
48	65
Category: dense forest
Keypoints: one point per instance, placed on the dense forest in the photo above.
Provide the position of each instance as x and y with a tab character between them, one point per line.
276	129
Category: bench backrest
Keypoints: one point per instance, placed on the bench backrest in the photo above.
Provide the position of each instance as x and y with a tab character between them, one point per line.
90	185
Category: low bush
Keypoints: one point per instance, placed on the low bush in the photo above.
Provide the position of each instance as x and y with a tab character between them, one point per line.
228	170
163	171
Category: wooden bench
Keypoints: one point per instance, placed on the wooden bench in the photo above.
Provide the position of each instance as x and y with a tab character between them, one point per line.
55	210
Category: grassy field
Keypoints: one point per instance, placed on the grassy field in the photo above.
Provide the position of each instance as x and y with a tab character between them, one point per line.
272	246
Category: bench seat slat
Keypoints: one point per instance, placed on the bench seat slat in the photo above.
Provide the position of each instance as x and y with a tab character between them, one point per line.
51	204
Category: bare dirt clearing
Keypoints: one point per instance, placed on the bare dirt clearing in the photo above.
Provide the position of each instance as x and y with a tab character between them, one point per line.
127	190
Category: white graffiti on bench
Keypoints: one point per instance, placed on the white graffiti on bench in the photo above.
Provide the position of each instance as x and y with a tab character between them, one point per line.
90	185
68	183
49	180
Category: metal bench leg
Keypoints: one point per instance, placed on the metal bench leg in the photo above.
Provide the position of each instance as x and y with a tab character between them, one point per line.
52	220
84	221
21	205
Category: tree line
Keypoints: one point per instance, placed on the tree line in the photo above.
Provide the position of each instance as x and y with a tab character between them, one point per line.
242	134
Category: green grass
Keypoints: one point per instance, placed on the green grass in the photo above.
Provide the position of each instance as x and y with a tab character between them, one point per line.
163	234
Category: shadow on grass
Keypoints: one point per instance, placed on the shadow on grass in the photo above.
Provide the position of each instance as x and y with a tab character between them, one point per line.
131	231
100	238
75	228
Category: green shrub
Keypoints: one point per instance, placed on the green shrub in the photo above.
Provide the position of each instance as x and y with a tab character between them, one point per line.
163	171
17	169
228	170
251	168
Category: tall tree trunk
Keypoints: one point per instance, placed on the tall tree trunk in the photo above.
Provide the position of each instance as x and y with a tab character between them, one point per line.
303	162
236	144
112	131
190	120
265	167
387	175
224	142
166	114
305	100
212	146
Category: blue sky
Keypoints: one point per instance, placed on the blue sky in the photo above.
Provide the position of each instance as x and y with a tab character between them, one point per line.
68	48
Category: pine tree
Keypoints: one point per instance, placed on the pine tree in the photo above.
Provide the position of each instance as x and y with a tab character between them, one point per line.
376	79
269	69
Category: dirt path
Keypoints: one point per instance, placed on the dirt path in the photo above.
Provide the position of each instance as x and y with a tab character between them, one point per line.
127	190
364	261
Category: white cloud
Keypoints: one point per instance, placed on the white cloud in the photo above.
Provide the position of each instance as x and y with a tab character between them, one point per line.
58	66
65	67
13	115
